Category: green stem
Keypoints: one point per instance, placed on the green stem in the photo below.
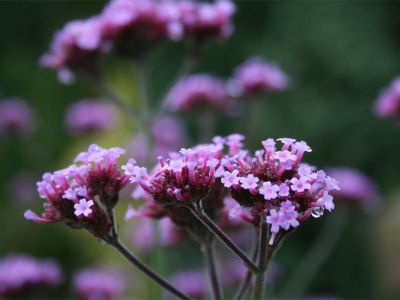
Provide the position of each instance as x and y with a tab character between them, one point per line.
208	251
215	230
146	270
264	257
319	252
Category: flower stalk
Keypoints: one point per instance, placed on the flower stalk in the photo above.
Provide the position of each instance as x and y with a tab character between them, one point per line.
209	255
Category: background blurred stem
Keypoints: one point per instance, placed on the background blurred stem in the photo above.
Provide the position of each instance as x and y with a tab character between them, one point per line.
319	252
249	275
151	274
209	254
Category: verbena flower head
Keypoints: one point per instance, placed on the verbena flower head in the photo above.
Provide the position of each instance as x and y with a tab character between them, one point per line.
16	118
76	47
191	282
18	273
82	194
387	104
198	91
99	283
276	182
135	25
89	115
355	187
207	20
257	75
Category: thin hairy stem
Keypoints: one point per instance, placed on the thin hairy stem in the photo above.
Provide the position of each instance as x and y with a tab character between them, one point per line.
249	275
209	254
215	230
319	252
151	274
263	260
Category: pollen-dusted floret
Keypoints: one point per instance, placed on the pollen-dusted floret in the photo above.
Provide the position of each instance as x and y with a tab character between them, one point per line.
275	182
257	75
198	91
82	195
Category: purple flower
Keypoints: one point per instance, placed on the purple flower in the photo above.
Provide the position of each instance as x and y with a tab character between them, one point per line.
269	190
387	104
191	282
355	187
70	194
198	91
99	283
230	178
256	76
20	272
22	187
207	20
87	116
16	117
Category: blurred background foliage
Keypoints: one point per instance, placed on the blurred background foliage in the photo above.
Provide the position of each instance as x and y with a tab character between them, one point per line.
339	54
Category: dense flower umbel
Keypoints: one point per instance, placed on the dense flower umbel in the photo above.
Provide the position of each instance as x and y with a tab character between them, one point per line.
89	115
207	20
275	182
84	194
76	47
19	273
355	187
16	117
257	75
185	179
198	91
99	283
388	103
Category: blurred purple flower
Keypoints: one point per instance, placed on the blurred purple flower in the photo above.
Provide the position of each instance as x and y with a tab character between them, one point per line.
89	115
99	284
22	187
387	104
356	187
257	75
191	282
207	20
198	91
20	272
76	47
16	117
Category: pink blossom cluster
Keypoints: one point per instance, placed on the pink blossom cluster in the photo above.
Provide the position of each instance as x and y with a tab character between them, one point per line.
275	183
16	117
132	26
90	115
99	283
21	272
256	75
387	104
198	91
81	194
355	186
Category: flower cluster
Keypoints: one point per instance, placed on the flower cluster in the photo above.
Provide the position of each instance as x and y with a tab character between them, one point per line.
257	75
83	194
131	27
275	183
87	116
388	103
191	282
19	273
198	91
16	117
97	283
355	187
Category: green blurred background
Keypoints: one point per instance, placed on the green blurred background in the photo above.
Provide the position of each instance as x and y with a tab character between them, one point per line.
338	55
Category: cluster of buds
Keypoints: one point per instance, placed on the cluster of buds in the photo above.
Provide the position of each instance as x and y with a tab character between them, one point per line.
388	103
274	183
132	27
83	195
89	116
18	273
99	283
